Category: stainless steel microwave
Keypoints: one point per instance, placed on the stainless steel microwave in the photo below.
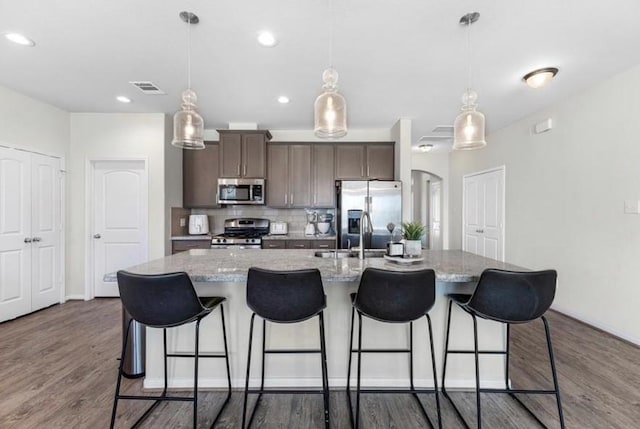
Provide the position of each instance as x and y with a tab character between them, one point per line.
240	191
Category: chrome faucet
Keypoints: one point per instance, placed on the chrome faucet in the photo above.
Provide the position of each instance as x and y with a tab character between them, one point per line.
362	216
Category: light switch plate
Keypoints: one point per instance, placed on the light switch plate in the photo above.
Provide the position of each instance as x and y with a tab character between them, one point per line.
183	222
632	207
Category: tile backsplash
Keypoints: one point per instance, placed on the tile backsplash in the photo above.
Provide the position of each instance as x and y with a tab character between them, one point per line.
296	218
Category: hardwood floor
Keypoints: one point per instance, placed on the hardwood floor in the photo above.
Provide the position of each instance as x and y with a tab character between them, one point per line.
58	370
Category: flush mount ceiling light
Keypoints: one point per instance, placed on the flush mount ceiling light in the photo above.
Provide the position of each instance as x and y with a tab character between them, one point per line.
19	39
188	125
330	108
123	99
425	147
283	99
267	39
469	126
541	77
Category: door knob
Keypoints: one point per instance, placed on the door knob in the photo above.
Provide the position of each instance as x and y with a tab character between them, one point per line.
97	236
36	239
27	240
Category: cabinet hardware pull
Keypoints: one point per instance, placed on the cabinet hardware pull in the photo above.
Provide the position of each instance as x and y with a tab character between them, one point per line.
292	198
97	236
27	240
238	169
286	196
368	171
245	170
298	245
323	246
36	239
361	171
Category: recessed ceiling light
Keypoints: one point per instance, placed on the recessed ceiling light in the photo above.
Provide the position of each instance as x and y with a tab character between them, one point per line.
539	78
425	147
123	99
19	39
283	99
267	39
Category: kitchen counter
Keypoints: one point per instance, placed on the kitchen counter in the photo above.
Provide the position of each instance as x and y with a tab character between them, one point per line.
192	237
224	273
298	236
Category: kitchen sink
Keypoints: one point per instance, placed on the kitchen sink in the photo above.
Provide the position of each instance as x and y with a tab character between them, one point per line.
345	253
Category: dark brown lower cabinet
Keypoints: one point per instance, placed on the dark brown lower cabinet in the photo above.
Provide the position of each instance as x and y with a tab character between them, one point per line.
182	245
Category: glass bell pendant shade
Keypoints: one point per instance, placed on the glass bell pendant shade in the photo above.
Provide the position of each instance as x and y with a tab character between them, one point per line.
469	126
330	109
188	126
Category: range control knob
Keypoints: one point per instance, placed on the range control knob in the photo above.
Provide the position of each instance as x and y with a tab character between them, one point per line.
224	240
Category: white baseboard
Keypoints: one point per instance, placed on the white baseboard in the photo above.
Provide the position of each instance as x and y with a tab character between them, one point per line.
303	383
603	326
76	297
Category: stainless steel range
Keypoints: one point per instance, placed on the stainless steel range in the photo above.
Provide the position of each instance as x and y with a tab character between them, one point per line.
241	233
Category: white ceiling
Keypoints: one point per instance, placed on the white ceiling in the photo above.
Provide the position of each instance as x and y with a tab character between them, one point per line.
396	59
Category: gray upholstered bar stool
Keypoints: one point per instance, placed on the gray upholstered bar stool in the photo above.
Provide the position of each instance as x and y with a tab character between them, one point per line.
166	301
507	297
393	297
285	297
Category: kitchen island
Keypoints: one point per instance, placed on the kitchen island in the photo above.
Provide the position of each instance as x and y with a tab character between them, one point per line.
224	273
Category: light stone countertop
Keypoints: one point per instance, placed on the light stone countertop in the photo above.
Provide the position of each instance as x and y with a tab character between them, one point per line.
192	237
230	265
298	236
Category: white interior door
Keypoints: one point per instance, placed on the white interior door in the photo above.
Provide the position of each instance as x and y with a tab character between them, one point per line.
435	216
119	232
483	223
46	273
15	238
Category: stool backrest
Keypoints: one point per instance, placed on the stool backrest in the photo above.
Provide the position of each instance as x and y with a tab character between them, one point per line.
513	296
285	296
160	300
392	296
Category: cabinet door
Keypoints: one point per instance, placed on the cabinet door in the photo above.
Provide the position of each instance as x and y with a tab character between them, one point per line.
230	155
299	175
253	155
200	177
298	244
15	233
380	162
183	245
278	175
350	161
323	181
274	244
323	244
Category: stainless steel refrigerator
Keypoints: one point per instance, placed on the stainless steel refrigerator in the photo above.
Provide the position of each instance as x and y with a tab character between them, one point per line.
381	199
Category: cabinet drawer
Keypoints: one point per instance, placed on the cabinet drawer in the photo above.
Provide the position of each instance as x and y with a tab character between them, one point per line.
182	245
324	244
274	244
298	244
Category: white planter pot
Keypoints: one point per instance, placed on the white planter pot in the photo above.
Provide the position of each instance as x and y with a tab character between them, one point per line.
413	248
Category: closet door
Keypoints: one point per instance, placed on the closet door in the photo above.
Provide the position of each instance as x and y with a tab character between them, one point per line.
15	238
45	231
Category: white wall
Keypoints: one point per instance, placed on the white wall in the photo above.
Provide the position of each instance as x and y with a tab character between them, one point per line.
438	165
32	124
401	134
172	180
104	136
565	193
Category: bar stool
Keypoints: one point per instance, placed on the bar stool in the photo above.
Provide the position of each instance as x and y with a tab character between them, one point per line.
167	301
285	297
507	297
393	297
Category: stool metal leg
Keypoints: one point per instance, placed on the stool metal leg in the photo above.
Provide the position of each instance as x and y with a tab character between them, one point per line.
246	383
435	374
325	375
477	361
411	355
553	371
349	367
357	425
120	366
195	375
226	359
506	362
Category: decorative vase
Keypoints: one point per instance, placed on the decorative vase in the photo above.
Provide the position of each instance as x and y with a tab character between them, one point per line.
413	248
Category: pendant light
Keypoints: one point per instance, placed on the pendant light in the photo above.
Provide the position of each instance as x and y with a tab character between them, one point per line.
188	126
330	108
469	126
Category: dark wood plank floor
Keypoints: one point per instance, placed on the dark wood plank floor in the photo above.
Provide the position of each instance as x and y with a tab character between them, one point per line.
58	369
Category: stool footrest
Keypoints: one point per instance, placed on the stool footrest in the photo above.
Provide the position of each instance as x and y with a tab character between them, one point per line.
381	351
511	391
286	351
394	391
157	398
200	355
481	352
283	391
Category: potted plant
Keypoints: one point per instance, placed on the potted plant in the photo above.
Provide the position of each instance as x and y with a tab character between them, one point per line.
412	233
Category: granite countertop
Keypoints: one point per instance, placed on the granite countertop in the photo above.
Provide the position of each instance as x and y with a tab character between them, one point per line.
298	236
231	265
192	237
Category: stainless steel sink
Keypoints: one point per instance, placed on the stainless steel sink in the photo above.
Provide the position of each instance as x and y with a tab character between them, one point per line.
345	253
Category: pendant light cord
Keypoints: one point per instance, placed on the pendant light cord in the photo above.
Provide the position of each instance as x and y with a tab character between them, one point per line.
331	33
469	17
189	49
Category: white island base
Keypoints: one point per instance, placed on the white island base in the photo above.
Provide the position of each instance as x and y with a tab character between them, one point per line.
302	370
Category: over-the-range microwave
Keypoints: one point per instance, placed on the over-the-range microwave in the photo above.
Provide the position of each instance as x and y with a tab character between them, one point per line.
240	191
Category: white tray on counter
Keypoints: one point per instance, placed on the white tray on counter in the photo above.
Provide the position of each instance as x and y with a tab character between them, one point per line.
403	259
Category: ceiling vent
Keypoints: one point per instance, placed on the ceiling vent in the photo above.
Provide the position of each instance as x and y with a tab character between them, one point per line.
443	129
436	139
148	88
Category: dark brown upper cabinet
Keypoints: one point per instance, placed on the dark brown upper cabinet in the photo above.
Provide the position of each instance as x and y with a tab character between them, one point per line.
364	161
323	178
289	175
200	176
243	153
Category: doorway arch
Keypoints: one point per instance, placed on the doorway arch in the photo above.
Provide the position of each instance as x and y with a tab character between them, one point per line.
427	205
